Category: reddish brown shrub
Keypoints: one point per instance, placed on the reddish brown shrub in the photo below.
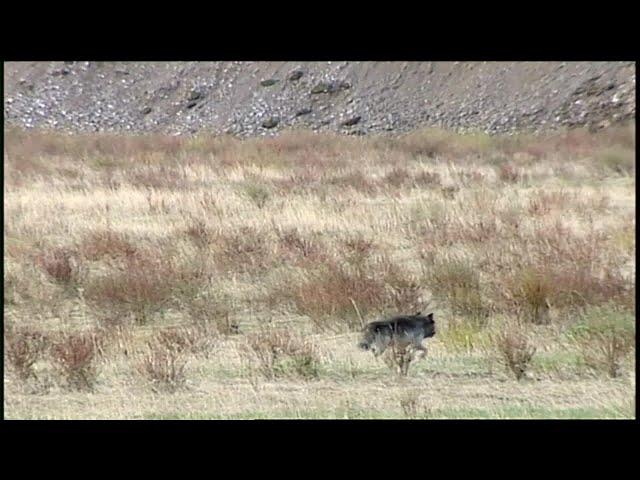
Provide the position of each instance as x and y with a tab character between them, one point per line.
163	366
194	339
397	177
74	356
281	352
200	234
243	251
106	243
356	180
427	179
509	173
141	285
335	294
23	348
515	349
61	264
299	248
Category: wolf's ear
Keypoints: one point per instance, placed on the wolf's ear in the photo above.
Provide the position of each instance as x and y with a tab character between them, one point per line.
418	313
430	316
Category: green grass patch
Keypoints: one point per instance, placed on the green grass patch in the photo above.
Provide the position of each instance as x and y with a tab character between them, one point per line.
351	413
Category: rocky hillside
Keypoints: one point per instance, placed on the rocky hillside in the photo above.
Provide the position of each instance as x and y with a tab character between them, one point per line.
252	98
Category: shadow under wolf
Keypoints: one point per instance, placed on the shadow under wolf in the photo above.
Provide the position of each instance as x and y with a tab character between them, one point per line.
401	331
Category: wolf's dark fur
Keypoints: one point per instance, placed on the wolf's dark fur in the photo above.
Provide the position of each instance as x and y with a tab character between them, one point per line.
404	330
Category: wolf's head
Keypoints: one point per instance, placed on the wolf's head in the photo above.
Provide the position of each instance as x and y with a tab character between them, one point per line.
429	325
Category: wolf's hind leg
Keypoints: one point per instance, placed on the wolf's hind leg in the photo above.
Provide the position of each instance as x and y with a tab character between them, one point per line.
380	345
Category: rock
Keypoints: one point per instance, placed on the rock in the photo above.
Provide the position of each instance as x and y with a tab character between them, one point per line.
322	87
192	104
330	87
295	75
146	111
60	72
194	95
335	87
351	121
303	111
271	122
268	82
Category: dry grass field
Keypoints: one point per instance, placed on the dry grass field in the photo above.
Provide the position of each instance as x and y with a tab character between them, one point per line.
160	277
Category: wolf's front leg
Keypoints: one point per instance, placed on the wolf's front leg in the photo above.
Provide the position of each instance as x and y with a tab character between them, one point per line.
378	350
421	352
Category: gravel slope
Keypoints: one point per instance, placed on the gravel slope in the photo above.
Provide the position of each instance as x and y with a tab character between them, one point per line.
253	98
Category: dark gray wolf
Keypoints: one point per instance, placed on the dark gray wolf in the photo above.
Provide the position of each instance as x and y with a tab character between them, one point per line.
401	332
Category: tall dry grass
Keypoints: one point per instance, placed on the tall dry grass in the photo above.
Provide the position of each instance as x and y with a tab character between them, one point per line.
218	237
